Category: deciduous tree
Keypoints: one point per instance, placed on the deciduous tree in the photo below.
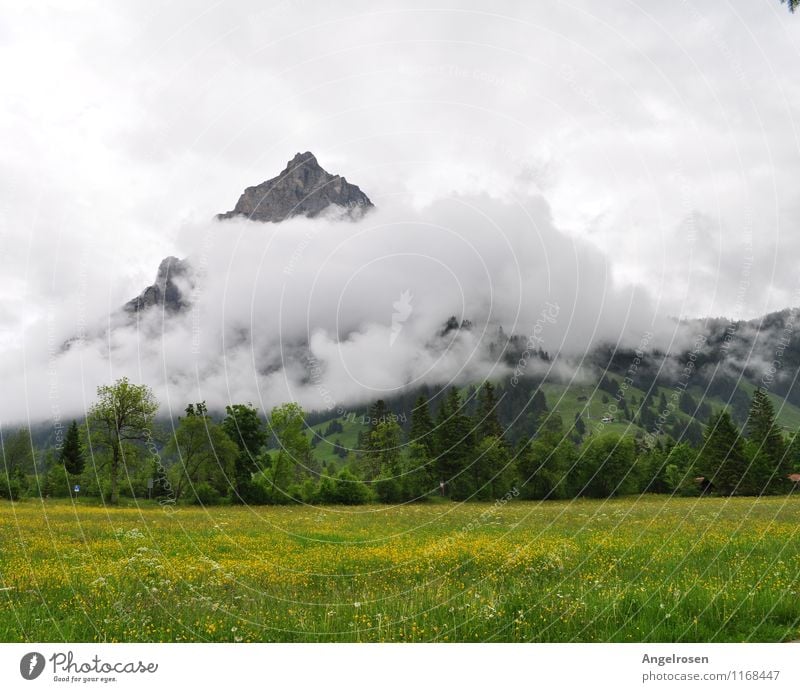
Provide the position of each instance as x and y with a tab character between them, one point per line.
203	453
123	413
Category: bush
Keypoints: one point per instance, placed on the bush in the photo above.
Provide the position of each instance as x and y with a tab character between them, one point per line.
296	492
58	483
253	493
10	488
326	491
389	490
205	494
348	490
308	491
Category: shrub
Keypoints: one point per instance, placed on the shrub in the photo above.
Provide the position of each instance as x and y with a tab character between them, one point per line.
326	491
58	483
10	488
389	490
253	492
205	494
348	490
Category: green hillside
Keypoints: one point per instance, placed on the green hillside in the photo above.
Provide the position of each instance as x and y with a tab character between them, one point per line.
568	400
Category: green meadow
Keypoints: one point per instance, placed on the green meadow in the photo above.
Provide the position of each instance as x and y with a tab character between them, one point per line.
637	569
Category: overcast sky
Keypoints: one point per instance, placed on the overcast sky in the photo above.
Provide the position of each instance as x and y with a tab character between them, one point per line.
661	135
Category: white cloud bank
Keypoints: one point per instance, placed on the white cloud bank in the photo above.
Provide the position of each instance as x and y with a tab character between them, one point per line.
662	137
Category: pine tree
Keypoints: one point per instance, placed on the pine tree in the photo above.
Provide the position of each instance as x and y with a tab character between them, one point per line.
418	482
580	426
440	433
71	456
377	414
723	458
769	465
488	423
539	403
422	425
687	404
385	446
492	469
339	449
455	446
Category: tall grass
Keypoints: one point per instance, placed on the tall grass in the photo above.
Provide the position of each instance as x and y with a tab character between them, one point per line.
638	569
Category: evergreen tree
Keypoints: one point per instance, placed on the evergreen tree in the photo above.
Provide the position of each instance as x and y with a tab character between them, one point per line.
440	431
693	433
384	454
377	414
71	456
580	426
339	449
647	418
491	470
722	458
539	404
687	403
422	425
455	446
488	423
769	465
418	481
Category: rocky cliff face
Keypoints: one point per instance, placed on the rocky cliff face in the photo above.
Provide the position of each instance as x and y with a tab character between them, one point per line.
172	280
303	188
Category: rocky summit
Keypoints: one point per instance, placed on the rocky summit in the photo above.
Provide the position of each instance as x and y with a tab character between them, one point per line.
303	188
165	293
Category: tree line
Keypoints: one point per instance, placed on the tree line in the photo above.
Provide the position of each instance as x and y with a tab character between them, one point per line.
458	451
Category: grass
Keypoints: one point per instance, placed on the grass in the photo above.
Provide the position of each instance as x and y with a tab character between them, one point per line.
637	569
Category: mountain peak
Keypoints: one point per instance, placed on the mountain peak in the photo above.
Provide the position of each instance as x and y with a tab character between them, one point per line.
305	158
166	292
303	188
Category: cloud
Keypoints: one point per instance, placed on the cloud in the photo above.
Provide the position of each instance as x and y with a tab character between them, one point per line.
307	310
639	163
